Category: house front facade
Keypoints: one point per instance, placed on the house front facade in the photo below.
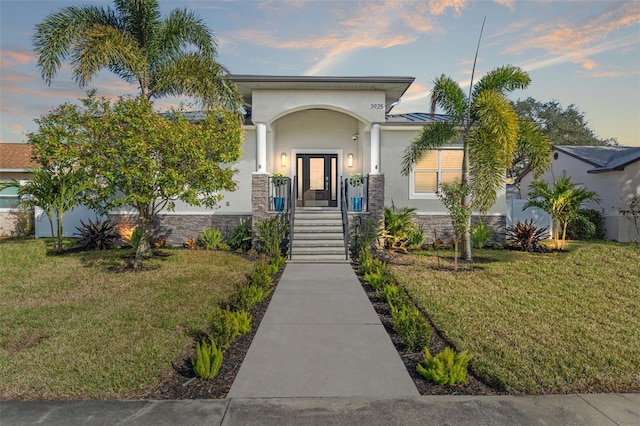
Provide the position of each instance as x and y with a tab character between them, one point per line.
319	132
15	164
613	172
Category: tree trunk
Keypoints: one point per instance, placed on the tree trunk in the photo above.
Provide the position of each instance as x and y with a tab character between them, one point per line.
144	247
466	201
59	237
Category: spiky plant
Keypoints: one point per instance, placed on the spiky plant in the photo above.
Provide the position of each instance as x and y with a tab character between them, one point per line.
96	235
527	236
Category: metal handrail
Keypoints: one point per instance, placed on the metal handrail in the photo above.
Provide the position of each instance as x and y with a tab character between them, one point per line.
293	200
345	218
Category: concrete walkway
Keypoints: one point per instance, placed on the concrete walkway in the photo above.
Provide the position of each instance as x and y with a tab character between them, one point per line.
322	357
320	337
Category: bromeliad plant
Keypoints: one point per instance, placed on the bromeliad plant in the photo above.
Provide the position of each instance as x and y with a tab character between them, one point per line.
527	236
96	235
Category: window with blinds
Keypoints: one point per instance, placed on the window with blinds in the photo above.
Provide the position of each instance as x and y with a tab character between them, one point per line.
436	168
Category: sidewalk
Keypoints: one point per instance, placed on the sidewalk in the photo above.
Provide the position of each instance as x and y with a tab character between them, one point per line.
320	337
579	410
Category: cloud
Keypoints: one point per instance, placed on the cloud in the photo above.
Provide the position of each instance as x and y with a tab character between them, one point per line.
438	7
12	58
578	42
369	25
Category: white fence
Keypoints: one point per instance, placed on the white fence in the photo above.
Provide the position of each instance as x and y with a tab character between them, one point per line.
516	213
70	221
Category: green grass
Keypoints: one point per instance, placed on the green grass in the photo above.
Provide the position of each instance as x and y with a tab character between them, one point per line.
72	329
539	323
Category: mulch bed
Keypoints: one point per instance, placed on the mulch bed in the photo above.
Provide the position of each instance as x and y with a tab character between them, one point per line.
181	382
411	360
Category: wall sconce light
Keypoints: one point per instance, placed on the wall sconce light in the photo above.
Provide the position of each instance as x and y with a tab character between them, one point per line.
283	160
350	160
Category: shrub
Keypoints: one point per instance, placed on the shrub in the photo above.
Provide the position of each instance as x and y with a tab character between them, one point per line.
408	322
446	368
378	278
243	322
480	235
588	226
365	236
271	234
416	237
224	326
96	235
211	239
365	259
240	238
249	295
397	226
261	275
388	293
527	236
208	359
160	242
278	261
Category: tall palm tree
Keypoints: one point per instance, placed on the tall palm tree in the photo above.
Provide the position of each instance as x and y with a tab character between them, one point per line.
171	56
490	130
562	202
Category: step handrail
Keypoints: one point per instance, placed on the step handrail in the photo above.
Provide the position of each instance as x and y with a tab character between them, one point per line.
293	200
345	218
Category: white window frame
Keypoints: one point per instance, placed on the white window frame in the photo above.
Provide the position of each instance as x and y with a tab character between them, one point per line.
413	195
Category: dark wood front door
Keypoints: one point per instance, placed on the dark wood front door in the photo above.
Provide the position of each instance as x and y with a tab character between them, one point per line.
317	176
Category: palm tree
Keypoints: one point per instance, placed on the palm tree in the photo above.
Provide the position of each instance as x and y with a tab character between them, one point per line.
491	133
562	202
55	192
171	56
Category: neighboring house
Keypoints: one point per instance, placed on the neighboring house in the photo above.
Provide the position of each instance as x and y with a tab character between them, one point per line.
612	171
319	131
15	163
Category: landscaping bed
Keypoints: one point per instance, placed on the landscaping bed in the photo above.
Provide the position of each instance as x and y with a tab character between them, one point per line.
411	360
182	383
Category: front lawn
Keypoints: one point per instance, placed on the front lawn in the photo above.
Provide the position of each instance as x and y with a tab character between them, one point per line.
75	326
539	323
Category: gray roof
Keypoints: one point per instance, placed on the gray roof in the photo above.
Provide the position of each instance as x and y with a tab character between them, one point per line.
603	158
415	118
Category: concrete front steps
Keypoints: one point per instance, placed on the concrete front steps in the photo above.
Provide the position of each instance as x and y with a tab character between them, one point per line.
317	236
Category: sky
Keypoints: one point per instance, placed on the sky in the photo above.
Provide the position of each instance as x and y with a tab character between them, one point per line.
585	53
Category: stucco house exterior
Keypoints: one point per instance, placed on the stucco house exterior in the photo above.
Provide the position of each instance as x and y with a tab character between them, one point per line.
319	131
612	171
15	163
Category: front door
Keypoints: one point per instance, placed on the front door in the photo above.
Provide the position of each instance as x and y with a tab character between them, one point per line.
317	176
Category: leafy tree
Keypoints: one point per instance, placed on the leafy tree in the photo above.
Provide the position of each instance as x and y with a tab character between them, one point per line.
148	161
171	56
55	192
452	194
562	202
561	126
491	134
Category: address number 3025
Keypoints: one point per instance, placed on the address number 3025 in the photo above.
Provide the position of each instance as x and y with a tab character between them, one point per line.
377	106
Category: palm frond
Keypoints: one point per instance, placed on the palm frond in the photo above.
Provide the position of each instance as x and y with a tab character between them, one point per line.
431	137
182	30
504	79
106	47
55	36
534	147
448	95
197	76
492	145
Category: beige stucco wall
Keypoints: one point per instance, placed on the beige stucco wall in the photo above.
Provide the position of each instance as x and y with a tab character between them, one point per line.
395	139
269	105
